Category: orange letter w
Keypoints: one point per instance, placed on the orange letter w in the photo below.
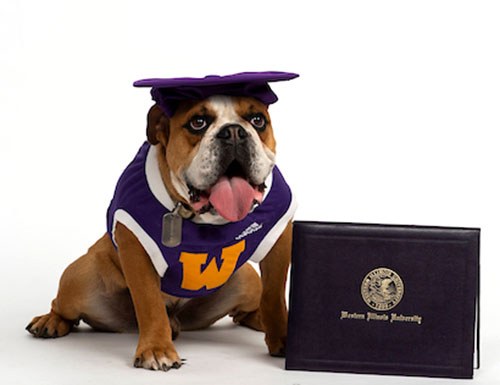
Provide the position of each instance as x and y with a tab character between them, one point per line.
195	279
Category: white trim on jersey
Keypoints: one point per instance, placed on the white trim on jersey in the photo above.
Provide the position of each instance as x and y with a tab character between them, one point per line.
146	241
272	236
155	182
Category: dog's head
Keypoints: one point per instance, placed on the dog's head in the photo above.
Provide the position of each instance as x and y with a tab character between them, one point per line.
215	154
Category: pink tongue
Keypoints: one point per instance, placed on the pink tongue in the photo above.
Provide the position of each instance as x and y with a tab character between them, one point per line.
232	198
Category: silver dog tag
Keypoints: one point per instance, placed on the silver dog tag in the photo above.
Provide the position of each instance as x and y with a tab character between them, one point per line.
171	234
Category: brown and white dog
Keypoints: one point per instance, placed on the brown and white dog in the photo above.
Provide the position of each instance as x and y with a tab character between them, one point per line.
118	289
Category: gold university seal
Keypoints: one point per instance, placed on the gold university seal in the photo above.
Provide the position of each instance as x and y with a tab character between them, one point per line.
382	289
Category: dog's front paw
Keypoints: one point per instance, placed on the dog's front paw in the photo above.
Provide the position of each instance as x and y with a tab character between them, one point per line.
276	346
157	358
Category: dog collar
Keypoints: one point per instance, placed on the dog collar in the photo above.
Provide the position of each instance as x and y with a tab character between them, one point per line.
184	211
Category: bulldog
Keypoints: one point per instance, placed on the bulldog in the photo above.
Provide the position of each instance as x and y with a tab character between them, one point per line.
201	198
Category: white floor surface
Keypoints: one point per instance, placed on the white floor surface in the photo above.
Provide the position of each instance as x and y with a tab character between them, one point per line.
223	354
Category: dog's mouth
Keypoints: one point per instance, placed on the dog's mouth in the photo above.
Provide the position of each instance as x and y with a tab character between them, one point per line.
232	196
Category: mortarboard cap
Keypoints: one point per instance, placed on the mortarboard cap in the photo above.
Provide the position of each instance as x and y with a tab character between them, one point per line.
169	92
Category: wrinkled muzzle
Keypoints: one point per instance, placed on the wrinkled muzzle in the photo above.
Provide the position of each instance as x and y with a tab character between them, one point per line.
230	183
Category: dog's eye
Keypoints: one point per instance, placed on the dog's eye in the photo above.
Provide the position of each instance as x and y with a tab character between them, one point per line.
198	123
258	121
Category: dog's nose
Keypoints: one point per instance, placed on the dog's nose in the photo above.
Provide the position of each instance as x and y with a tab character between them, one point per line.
233	133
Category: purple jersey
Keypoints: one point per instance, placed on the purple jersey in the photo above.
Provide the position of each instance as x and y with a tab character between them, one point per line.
209	254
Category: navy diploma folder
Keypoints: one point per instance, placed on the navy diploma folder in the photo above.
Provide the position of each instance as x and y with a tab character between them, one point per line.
384	299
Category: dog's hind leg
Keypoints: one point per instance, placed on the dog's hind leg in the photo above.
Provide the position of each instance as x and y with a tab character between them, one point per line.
93	289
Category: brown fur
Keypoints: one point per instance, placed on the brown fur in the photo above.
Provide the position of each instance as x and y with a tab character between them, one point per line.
244	106
120	291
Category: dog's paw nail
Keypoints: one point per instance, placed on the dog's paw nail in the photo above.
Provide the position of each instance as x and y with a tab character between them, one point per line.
44	332
183	359
176	365
29	327
56	334
136	362
165	368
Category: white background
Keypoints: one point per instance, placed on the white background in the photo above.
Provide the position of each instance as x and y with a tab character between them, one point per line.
394	119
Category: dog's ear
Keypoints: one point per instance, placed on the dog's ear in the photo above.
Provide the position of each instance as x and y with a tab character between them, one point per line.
157	121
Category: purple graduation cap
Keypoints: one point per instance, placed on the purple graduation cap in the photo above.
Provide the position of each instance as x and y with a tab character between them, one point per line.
169	92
